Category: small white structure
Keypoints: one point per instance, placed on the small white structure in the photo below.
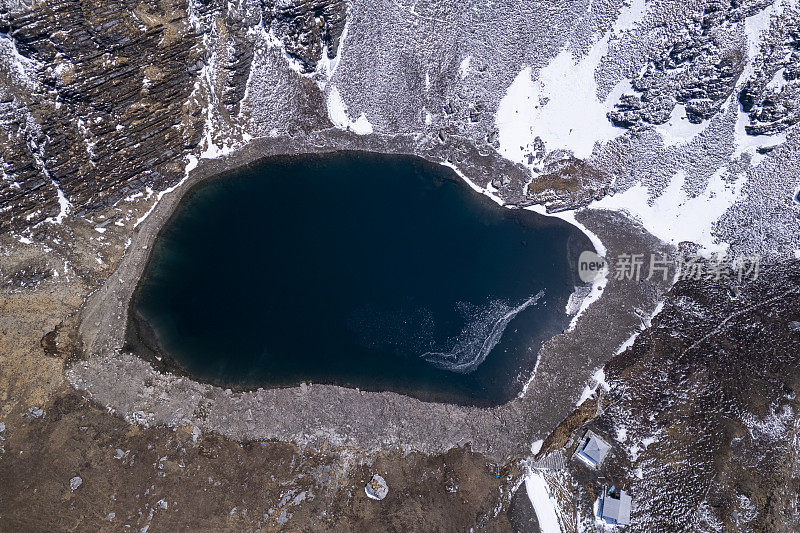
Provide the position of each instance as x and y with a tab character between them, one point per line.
592	450
615	509
377	489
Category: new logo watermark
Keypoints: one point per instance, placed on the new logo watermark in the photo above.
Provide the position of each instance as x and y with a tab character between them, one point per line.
636	267
591	266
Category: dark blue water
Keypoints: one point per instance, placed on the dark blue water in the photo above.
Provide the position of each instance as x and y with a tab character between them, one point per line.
364	270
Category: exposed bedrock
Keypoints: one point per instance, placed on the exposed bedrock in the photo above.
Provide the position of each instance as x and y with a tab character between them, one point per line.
109	84
771	95
307	28
701	65
88	85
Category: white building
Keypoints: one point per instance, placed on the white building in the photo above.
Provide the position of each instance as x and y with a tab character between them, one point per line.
592	450
615	509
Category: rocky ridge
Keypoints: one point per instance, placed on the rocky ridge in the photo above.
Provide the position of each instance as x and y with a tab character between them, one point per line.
771	94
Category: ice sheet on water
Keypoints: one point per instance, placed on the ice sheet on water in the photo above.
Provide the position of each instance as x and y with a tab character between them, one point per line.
479	336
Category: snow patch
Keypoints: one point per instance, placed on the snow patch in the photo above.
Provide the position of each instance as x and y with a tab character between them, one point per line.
629	16
575	300
598	380
543	502
190	165
486	191
648	441
536	446
328	66
463	68
773	427
646	321
678	130
561	106
599	284
64	206
337	111
777	82
627	344
673	216
25	67
212	150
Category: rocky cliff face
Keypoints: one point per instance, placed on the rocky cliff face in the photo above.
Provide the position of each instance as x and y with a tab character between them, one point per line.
698	68
101	100
771	95
105	109
307	29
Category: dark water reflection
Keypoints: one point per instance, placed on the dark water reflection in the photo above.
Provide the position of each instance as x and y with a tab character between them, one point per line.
365	270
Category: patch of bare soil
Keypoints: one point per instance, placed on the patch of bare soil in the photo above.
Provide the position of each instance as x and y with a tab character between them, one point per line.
72	466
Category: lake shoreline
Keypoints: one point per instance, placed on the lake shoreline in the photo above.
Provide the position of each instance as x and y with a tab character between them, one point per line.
417	210
309	415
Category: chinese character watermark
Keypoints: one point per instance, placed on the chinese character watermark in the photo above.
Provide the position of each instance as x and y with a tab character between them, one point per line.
659	267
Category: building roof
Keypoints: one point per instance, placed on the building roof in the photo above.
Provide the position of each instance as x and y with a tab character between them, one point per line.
595	449
617	511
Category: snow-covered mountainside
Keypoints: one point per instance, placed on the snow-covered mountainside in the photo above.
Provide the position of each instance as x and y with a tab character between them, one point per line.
663	108
680	114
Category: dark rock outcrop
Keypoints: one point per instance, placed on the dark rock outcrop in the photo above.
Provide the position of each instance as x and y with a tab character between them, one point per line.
109	114
307	27
699	70
771	95
115	94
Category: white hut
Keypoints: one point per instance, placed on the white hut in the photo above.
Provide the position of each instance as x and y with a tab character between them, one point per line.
592	450
615	509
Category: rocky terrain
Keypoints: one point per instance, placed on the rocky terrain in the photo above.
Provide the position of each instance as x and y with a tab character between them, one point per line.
701	412
672	121
72	466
